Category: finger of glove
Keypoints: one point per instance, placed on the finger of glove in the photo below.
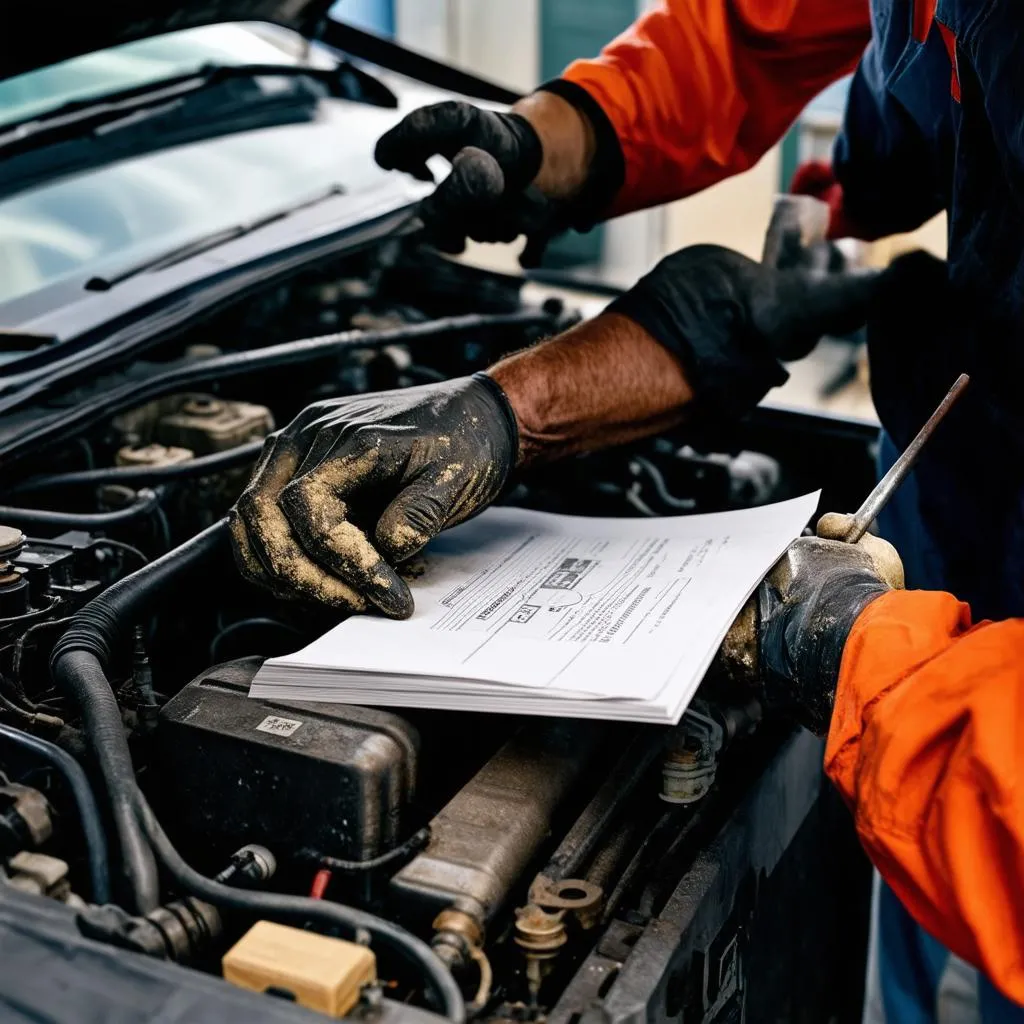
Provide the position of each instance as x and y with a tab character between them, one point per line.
265	547
793	309
833	526
475	185
316	505
884	557
246	559
441	129
417	515
498	224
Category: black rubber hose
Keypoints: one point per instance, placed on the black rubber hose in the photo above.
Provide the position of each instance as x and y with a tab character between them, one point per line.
88	812
135	393
145	502
81	676
136	475
78	665
300	909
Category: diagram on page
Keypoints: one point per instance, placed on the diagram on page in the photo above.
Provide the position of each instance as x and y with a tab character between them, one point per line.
577	590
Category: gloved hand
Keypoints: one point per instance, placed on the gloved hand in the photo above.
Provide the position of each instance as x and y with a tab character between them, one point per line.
731	320
397	467
788	642
494	158
493	193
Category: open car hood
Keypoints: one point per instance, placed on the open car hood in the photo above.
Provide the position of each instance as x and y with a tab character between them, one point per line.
50	31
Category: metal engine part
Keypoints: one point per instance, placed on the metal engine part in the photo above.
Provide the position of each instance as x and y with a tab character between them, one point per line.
204	424
42	875
327	777
38	576
200	423
688	769
483	839
26	819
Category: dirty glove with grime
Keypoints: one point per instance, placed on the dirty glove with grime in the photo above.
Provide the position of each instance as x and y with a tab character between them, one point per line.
527	172
790	638
732	321
353	486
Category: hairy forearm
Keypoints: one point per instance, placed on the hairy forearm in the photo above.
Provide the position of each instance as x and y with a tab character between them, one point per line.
604	382
567	138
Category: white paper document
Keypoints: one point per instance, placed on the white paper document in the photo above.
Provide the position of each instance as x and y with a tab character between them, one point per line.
532	613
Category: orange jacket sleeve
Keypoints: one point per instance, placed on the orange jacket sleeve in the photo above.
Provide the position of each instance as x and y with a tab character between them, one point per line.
926	747
697	90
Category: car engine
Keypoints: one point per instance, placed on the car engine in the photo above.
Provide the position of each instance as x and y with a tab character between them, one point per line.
541	869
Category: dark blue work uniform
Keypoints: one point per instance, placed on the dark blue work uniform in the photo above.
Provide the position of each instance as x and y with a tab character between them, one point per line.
935	120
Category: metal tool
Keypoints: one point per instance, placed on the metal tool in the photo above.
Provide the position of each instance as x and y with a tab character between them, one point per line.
797	233
886	487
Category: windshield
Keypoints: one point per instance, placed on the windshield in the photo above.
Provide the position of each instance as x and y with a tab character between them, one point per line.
151	60
56	236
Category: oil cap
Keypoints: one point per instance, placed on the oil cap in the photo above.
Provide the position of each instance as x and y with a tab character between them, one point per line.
14	592
11	542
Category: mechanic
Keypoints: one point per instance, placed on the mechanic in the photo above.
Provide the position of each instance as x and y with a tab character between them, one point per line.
922	739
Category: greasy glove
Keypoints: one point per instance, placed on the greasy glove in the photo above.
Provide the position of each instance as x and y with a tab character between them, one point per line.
488	196
397	467
802	614
731	320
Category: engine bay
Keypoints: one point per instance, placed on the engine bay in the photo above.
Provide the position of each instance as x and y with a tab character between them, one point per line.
530	861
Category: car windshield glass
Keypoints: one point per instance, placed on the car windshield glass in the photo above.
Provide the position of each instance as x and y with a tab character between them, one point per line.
150	60
103	222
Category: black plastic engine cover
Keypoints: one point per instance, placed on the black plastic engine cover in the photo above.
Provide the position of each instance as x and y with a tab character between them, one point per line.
290	775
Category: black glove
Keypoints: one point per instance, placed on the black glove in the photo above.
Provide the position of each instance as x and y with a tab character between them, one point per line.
731	320
398	466
487	196
806	607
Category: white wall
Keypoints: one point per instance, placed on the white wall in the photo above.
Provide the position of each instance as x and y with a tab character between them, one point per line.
493	39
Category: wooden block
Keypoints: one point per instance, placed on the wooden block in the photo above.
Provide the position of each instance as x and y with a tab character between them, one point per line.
321	972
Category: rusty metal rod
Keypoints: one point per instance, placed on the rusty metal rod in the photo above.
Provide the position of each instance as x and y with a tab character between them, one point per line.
886	487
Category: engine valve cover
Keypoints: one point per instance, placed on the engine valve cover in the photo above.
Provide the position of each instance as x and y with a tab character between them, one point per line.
333	778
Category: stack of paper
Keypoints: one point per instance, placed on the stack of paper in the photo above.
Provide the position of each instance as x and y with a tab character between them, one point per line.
539	614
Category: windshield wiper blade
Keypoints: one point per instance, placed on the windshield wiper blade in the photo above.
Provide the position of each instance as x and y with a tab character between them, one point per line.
205	243
82	117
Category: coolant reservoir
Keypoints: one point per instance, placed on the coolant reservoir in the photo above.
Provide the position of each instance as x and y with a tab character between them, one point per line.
205	424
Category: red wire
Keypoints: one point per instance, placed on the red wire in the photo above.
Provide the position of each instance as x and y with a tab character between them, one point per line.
321	880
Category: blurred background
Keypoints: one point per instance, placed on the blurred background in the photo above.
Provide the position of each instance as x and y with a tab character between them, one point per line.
527	42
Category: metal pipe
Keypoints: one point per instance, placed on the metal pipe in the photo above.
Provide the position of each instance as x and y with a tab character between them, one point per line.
487	834
591	826
886	487
146	501
135	475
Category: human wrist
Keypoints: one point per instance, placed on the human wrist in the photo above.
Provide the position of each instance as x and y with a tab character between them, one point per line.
567	142
503	420
803	635
601	383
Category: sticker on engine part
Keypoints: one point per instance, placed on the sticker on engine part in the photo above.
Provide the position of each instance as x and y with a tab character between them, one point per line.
278	726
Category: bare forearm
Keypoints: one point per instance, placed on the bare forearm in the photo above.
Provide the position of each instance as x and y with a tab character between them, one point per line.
568	142
604	382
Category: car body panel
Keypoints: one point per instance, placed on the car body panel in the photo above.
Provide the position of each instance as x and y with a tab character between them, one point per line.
50	31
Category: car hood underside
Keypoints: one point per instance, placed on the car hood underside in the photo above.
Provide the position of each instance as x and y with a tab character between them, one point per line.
49	32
